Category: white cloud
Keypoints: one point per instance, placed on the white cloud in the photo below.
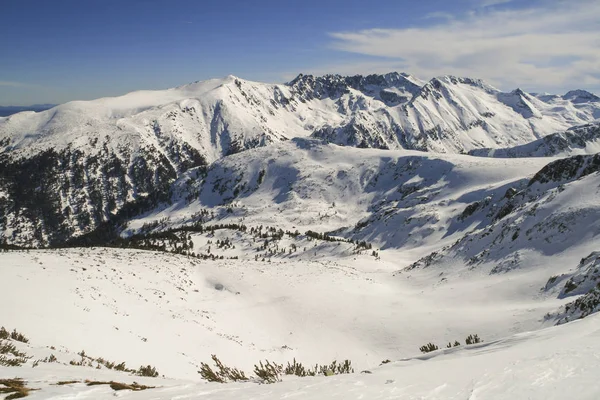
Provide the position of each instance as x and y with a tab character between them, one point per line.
553	45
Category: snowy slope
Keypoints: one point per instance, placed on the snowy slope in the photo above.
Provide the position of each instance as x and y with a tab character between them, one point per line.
306	185
91	159
165	310
553	363
581	284
582	139
551	220
124	304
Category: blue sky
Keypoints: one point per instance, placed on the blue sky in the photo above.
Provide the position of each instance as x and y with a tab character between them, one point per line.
61	50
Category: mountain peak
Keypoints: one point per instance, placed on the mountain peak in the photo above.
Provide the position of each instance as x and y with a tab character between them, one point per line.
580	96
392	88
439	81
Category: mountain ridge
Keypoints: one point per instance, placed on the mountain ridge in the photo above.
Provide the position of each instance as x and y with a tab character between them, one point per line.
85	161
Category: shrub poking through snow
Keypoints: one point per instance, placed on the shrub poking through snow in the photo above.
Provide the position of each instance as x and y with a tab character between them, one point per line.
296	368
336	368
50	359
19	337
473	339
14	335
223	373
271	372
87	361
12	361
10	356
148	370
268	372
119	367
206	372
428	348
9	348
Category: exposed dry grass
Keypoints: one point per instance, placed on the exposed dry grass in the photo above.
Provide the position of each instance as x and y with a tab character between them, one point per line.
119	385
16	387
61	383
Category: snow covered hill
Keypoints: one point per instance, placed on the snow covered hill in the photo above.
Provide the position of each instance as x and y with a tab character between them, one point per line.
363	194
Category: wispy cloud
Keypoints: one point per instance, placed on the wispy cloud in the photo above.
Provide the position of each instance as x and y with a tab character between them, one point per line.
490	3
555	44
439	15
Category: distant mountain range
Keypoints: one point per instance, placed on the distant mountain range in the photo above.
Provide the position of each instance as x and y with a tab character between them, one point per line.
5	111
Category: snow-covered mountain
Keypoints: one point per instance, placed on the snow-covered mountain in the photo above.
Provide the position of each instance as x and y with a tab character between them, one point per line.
327	218
225	116
455	115
70	169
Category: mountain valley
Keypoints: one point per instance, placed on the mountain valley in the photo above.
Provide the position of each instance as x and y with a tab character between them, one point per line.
328	218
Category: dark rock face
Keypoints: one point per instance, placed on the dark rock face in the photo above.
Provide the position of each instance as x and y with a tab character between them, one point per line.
308	87
567	169
583	285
